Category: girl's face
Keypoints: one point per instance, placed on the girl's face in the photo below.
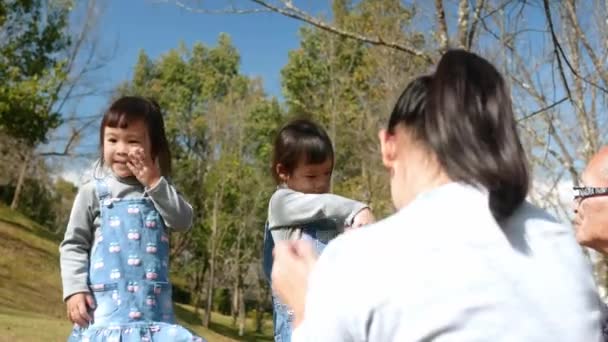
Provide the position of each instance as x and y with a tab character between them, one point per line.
308	178
118	142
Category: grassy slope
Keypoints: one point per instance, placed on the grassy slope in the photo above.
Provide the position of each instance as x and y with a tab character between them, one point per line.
30	289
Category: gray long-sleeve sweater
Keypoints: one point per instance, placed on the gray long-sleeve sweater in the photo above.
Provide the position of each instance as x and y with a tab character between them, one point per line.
289	209
83	226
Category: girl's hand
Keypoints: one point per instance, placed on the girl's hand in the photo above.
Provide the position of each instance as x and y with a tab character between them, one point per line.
363	218
143	168
78	306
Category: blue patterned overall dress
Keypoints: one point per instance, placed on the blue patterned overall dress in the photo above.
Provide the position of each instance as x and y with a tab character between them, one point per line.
320	233
129	275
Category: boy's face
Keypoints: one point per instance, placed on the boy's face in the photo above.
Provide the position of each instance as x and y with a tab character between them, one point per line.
308	178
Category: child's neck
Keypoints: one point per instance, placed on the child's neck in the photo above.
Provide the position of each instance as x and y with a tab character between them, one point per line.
131	180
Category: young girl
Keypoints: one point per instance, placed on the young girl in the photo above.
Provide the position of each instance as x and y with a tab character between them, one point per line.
115	254
301	207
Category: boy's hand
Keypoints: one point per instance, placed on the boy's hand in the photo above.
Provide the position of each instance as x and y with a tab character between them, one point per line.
78	306
363	218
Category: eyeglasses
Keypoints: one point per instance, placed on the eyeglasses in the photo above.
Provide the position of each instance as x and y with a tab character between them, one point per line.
588	191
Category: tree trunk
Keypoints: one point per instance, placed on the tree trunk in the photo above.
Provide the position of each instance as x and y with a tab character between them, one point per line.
261	298
234	308
209	304
15	201
242	311
463	23
199	277
237	281
442	33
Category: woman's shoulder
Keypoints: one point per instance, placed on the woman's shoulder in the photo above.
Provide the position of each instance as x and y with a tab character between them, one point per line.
534	220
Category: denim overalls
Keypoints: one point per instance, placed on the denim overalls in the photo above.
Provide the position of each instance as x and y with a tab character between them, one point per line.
129	275
320	233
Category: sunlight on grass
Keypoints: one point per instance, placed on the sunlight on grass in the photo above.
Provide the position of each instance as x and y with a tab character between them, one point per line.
31	307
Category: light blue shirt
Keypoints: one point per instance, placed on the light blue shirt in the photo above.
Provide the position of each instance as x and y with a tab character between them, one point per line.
442	269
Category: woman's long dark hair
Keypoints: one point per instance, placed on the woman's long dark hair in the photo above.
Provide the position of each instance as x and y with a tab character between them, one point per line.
468	123
471	128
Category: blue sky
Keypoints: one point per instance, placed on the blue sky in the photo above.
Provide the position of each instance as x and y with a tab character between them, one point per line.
156	26
127	26
263	39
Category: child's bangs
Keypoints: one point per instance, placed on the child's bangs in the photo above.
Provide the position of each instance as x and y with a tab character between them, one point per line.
121	119
314	151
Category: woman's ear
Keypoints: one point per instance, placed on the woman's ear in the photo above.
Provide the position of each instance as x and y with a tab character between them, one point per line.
387	148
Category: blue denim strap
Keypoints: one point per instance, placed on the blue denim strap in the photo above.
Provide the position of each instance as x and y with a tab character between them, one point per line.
102	190
267	258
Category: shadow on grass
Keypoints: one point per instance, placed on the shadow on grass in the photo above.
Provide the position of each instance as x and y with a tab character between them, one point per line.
232	332
186	316
15	218
224	329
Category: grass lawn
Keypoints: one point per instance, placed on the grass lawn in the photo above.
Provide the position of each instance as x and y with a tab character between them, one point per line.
30	290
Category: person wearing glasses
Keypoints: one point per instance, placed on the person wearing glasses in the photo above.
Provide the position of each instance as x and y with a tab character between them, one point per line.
591	204
591	211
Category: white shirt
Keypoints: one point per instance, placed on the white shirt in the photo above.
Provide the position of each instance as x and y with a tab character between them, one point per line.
443	270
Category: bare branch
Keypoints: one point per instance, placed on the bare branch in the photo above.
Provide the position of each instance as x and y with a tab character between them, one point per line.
565	157
476	18
560	52
544	109
291	11
600	70
556	48
73	55
463	23
499	8
72	140
443	26
229	10
573	39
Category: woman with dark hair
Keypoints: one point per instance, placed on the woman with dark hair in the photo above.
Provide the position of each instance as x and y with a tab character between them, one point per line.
465	258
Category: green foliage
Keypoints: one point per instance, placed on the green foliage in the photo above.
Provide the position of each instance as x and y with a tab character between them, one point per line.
221	301
44	202
34	32
349	87
220	126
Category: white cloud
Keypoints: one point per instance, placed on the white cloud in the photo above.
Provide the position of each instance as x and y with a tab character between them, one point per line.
71	176
77	173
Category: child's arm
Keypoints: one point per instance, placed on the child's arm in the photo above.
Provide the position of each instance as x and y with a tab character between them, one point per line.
363	218
77	243
289	208
74	258
175	211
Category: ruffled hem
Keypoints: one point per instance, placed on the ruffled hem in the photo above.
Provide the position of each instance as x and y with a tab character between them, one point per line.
137	331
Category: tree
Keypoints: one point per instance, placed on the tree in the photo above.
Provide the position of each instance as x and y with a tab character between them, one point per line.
44	61
551	53
33	32
210	110
348	86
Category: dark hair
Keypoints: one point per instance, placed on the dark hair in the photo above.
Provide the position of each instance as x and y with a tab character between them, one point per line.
300	140
410	107
128	109
468	123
